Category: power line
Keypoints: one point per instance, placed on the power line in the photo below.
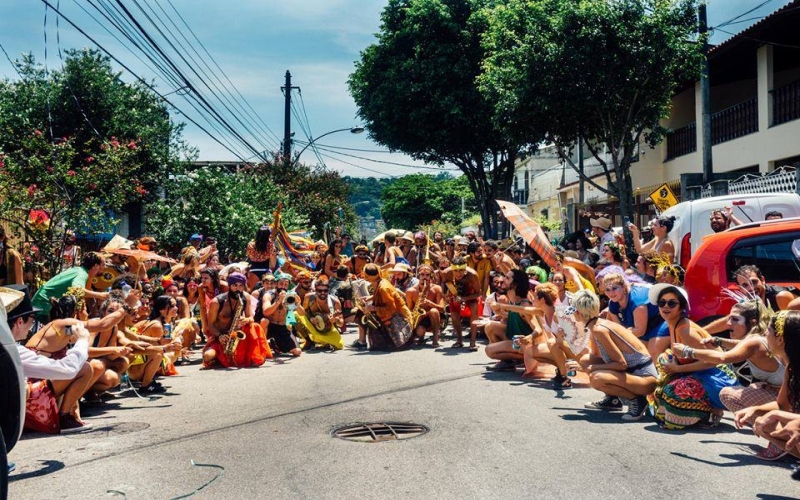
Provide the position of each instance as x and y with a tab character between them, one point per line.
141	80
730	21
423	167
765	42
359	166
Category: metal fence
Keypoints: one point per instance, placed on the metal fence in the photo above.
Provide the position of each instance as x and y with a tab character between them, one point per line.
781	180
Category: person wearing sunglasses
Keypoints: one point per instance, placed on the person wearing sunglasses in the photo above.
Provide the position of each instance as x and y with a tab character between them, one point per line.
748	322
320	318
630	307
688	391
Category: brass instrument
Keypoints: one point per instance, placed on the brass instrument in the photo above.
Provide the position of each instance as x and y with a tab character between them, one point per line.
368	319
453	292
418	312
234	335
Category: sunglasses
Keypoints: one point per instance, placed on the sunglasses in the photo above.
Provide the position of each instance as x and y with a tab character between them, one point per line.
613	288
669	304
322	290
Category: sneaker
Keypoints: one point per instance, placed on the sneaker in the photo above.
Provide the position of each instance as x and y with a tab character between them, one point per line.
771	453
153	388
358	345
636	409
503	366
608	403
11	467
70	424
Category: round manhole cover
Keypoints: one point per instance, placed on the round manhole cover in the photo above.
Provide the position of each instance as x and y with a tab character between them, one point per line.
374	432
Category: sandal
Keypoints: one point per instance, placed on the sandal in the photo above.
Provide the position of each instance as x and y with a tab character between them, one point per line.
436	345
771	453
458	345
473	348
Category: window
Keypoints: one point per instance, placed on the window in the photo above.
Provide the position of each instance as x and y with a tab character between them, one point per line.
776	255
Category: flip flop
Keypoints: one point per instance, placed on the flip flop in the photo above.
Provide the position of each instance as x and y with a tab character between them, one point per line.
457	345
771	453
473	348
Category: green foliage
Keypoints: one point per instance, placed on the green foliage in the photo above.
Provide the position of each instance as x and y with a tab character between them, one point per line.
42	176
79	144
415	200
603	70
231	206
416	92
215	202
365	195
549	224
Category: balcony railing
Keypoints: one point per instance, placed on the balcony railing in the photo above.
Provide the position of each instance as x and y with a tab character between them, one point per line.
734	122
682	141
786	103
520	197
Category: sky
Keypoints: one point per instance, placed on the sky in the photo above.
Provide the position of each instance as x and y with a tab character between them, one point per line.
255	42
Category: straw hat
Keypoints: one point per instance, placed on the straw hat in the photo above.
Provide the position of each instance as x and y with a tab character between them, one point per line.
10	298
401	268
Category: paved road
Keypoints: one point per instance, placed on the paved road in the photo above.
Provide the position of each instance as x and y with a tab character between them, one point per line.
492	435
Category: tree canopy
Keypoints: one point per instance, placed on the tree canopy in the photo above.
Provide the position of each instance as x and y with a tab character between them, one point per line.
416	92
597	69
77	146
416	200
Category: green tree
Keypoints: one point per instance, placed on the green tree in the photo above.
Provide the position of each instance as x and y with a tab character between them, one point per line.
215	202
416	200
596	69
416	91
81	145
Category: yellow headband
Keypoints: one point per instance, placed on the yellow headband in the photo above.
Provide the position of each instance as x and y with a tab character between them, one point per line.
462	267
780	323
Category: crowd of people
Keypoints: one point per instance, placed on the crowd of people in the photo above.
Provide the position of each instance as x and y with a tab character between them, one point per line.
621	318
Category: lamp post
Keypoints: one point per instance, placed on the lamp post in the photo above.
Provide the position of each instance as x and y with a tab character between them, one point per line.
353	130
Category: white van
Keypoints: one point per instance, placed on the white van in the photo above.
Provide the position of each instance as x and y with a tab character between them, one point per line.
692	217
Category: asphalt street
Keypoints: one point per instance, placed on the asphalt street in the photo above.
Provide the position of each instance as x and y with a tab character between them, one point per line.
259	433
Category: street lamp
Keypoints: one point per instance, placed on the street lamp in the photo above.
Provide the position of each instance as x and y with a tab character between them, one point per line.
353	130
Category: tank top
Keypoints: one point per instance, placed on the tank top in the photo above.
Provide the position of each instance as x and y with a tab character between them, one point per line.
775	378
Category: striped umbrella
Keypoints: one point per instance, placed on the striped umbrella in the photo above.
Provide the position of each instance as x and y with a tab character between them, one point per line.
530	230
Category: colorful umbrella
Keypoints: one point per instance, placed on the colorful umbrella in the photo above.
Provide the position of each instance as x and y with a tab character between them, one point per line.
530	230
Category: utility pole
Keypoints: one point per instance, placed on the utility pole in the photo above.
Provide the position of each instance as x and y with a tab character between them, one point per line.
287	118
705	97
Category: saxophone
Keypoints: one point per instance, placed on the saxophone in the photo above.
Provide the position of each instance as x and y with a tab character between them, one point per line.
368	319
234	335
418	312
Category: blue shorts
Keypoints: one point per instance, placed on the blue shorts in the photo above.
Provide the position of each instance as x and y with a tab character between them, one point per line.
661	330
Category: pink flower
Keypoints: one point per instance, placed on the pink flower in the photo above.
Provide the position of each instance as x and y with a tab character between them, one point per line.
49	170
71	173
89	159
131	145
37	132
31	190
92	186
689	388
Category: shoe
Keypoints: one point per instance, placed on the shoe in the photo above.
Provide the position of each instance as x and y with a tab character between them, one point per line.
273	346
11	467
503	366
712	422
636	409
557	377
771	453
608	403
70	424
309	345
153	388
561	382
358	345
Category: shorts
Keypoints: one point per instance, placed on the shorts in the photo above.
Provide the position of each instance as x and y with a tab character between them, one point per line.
283	337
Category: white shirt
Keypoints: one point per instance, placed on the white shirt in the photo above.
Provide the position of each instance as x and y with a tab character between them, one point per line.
38	366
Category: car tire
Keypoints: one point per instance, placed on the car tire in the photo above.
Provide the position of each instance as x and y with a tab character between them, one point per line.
3	469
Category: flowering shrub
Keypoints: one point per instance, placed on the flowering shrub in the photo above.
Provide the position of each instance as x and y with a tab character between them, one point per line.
48	187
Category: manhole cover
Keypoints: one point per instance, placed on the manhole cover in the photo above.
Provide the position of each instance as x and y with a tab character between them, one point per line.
379	431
